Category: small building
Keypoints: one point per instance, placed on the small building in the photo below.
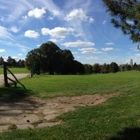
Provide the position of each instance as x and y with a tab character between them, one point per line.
131	62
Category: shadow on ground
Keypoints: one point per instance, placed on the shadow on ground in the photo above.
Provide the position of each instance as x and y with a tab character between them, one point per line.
14	92
128	134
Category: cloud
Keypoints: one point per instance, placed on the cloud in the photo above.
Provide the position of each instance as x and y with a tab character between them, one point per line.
92	58
20	54
109	43
14	29
2	50
104	22
91	20
107	49
76	14
89	50
31	34
5	34
57	32
74	52
78	43
37	13
53	40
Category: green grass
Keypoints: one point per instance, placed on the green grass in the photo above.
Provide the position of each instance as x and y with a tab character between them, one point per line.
116	119
68	85
15	70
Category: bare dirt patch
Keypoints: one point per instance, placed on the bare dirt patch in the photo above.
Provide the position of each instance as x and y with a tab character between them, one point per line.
33	112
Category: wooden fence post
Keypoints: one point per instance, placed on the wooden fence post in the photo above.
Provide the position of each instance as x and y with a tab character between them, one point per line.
5	74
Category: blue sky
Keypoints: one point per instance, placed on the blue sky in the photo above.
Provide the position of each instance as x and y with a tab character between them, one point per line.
82	26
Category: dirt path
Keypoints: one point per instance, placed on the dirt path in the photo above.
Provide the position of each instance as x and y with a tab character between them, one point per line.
35	113
18	76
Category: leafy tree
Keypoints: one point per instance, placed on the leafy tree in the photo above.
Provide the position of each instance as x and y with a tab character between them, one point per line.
50	58
67	60
113	67
96	68
126	16
1	60
11	61
128	67
88	68
78	68
105	68
135	66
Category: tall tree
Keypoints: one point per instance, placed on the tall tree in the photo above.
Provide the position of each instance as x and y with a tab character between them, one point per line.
126	16
50	58
96	68
50	55
67	60
105	68
113	67
1	60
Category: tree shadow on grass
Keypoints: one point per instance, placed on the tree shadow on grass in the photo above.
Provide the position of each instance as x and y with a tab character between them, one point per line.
14	93
128	134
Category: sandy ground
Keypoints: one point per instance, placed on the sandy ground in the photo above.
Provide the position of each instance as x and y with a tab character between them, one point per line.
33	112
18	76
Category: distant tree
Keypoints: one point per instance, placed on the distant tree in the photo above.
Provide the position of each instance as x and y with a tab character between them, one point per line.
50	55
88	68
138	67
113	67
11	61
33	59
96	68
135	66
1	60
128	67
67	61
125	15
50	58
78	68
105	68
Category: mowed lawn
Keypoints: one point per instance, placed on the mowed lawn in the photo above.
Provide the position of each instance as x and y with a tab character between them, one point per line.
69	85
15	70
116	119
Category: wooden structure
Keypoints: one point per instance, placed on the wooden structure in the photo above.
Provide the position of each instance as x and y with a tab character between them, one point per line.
6	78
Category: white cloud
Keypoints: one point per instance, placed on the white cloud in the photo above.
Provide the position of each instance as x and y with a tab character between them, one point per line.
14	29
92	58
57	32
104	22
2	50
74	52
5	34
76	14
31	34
20	54
78	43
53	40
91	20
89	50
37	13
109	43
107	49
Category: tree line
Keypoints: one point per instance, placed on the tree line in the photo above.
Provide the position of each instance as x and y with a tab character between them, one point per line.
51	59
109	68
13	62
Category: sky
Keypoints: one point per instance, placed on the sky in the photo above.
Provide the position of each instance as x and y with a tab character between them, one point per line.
81	26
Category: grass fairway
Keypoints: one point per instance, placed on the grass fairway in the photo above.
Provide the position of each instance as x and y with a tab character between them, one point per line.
69	85
15	70
116	119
